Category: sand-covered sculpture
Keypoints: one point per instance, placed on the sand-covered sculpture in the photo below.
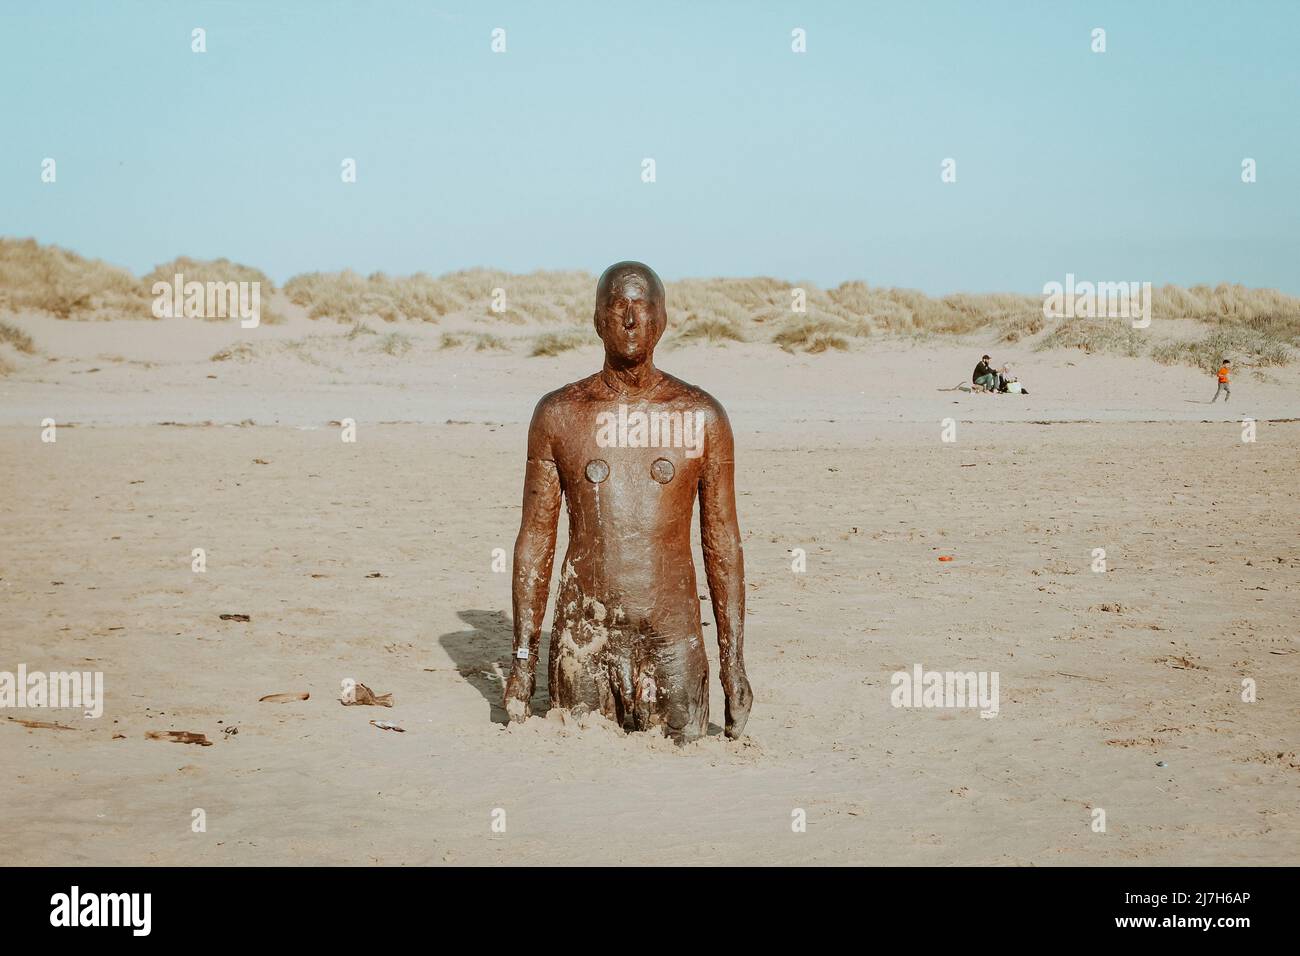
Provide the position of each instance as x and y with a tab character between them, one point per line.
628	449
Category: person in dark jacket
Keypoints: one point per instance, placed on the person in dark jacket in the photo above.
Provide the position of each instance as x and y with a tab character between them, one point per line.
985	375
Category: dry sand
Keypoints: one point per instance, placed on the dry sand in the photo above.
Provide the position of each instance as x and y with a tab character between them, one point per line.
1102	675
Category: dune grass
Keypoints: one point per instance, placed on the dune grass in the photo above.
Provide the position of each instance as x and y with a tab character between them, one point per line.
812	336
490	343
715	331
482	341
239	352
1114	336
349	296
20	340
216	270
395	344
207	270
358	329
552	310
16	338
553	343
1256	348
61	283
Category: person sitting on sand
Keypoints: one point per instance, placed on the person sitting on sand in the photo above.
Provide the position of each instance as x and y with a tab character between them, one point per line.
984	376
1223	383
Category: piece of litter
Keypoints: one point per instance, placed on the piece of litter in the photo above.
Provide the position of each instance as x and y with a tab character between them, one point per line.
283	698
385	725
179	737
236	617
945	557
364	696
40	724
1161	763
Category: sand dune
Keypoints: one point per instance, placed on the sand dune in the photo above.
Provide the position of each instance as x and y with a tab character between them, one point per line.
546	313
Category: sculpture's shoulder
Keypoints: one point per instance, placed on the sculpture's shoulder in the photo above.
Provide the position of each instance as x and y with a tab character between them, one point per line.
694	398
557	404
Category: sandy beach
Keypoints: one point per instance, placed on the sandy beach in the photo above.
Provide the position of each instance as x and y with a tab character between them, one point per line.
1121	690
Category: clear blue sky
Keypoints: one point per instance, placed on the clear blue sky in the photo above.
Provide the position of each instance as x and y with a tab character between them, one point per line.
822	166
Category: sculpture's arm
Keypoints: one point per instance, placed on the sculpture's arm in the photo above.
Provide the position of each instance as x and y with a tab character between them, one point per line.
534	555
724	566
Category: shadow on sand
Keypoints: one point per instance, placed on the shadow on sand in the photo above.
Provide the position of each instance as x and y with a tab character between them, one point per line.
489	641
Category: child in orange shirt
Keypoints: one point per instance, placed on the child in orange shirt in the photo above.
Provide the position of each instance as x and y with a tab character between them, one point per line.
1223	382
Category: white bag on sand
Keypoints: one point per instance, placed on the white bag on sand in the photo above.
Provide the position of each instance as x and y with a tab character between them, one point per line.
1013	387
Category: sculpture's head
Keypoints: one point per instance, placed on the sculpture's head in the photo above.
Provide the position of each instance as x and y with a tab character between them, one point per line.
630	314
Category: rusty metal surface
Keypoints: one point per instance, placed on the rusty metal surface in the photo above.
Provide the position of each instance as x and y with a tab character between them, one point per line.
628	450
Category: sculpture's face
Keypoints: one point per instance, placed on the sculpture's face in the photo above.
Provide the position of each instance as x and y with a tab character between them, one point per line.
630	318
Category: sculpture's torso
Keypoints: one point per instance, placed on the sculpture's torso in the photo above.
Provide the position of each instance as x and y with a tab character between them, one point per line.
627	639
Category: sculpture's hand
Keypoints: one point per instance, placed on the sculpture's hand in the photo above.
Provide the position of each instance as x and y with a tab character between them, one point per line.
519	693
739	698
724	565
534	551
